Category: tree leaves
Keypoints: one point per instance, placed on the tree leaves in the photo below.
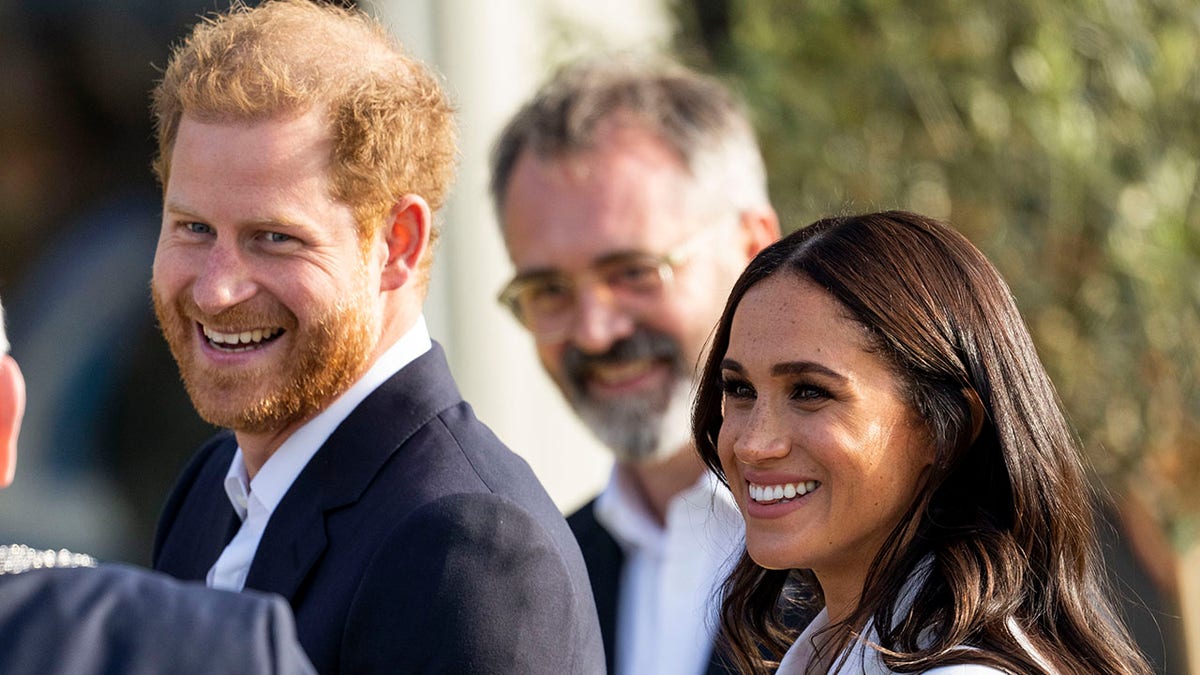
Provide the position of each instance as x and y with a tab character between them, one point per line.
1063	138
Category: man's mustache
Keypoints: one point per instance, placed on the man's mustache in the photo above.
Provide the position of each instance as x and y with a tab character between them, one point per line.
642	344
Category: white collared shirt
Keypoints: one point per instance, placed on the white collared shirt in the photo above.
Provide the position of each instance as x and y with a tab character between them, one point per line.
669	593
254	501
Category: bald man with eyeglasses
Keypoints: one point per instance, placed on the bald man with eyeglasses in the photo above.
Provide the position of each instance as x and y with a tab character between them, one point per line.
631	195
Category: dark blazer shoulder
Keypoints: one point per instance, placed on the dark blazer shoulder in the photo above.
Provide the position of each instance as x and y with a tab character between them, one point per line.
122	619
495	591
374	540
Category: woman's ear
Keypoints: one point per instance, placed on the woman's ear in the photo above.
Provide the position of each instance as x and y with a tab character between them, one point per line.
406	237
12	408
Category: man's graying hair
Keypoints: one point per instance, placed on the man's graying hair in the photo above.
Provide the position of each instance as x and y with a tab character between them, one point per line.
695	115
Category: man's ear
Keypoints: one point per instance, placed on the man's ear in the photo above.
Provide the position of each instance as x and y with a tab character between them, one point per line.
760	228
12	408
406	238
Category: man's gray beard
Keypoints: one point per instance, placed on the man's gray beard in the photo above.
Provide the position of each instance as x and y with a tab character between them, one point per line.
635	429
642	428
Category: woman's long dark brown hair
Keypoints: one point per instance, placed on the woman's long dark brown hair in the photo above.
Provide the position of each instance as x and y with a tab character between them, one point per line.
1005	515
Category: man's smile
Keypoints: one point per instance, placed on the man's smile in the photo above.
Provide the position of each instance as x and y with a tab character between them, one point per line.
624	374
240	341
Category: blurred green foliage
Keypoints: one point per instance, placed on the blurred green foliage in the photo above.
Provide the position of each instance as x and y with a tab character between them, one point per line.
1062	137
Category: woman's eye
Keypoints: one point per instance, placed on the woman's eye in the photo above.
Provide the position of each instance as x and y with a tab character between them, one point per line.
809	392
737	389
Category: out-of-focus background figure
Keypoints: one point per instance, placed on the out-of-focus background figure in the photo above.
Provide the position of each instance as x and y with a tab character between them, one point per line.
630	196
1060	137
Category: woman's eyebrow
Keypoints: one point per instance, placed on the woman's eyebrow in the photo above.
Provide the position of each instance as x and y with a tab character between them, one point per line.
805	367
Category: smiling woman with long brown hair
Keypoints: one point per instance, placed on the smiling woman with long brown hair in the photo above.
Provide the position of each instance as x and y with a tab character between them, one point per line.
876	406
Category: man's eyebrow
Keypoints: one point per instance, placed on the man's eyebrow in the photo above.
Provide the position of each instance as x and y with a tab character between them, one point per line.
265	222
181	209
538	273
622	256
608	258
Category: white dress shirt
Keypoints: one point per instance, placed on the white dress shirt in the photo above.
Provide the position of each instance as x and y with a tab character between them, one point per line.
255	500
670	583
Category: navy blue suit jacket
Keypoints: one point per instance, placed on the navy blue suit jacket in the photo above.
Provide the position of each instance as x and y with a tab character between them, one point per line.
117	619
413	541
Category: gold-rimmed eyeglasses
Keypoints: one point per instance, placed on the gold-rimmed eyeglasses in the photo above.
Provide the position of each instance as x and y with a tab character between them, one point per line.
545	301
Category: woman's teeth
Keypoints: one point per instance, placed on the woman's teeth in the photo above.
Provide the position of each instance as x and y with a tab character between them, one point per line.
768	494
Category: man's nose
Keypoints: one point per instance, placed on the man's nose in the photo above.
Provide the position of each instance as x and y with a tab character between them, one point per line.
600	320
223	280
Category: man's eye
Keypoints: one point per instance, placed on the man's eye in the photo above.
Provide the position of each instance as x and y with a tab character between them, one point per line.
198	228
276	237
635	274
546	295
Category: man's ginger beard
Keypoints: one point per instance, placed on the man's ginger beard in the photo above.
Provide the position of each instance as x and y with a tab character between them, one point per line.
327	356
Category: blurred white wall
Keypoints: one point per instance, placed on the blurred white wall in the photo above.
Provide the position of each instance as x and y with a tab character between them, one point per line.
493	55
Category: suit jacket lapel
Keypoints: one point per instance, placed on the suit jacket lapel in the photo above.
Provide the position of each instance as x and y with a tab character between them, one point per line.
204	530
292	542
344	466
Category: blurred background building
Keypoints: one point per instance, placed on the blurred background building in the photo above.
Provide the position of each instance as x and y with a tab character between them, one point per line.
1061	137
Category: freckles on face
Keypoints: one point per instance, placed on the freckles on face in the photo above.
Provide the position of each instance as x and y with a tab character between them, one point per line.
822	452
259	280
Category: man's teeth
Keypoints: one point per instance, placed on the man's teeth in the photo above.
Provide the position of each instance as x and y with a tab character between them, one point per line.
774	493
622	372
243	341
